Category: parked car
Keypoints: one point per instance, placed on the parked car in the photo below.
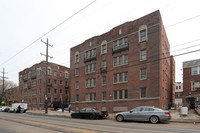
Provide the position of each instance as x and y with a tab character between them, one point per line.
4	109
15	108
144	113
89	113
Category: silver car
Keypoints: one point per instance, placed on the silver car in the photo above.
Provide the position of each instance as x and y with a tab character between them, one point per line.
144	113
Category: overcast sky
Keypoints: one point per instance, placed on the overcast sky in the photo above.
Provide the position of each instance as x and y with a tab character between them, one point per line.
24	21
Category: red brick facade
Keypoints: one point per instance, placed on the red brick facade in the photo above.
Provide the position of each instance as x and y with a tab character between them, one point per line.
137	71
32	83
191	83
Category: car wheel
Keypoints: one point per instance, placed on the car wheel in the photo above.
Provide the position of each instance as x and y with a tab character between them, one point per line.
73	116
120	118
92	117
154	119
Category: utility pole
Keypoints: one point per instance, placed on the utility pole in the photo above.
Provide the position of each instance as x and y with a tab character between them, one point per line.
47	56
3	82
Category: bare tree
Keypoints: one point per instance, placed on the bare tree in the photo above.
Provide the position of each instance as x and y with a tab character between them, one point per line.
7	85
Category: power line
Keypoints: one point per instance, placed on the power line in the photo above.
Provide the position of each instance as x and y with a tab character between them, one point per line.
48	32
183	21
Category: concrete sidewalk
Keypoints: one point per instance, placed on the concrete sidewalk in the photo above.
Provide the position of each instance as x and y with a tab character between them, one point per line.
192	117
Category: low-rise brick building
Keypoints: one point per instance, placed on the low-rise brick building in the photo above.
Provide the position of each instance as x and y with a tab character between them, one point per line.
179	94
32	83
191	83
124	68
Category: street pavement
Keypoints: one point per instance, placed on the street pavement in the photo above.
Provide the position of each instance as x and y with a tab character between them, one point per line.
192	117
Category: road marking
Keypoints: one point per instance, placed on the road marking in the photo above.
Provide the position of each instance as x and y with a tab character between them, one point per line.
50	125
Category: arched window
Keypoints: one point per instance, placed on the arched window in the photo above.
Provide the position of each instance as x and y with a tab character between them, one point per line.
76	57
104	47
142	33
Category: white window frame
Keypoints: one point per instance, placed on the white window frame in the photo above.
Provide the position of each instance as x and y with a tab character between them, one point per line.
104	45
142	28
141	78
143	55
141	92
76	60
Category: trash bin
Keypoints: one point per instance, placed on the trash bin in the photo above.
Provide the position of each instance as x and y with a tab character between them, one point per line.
184	111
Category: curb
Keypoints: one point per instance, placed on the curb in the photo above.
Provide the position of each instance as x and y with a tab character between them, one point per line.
111	118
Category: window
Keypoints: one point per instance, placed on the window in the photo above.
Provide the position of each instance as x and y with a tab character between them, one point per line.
55	91
66	75
143	92
143	55
115	61
61	74
61	91
49	90
90	83
143	74
142	33
104	95
104	64
104	80
49	71
55	99
76	72
121	43
77	98
77	57
115	78
55	73
120	94
126	76
33	83
176	87
120	77
90	53
49	81
34	92
125	59
90	68
126	41
55	82
104	47
77	85
90	97
61	82
115	94
196	70
120	60
115	45
125	94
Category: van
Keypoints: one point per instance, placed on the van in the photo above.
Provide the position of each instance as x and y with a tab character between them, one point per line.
14	107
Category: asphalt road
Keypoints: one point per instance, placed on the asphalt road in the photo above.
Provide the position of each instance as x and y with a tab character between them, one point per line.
24	123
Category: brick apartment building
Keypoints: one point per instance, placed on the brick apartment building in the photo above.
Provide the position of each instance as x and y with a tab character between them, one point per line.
124	68
32	83
191	83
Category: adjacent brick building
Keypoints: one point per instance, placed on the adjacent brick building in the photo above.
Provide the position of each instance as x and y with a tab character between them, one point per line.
11	95
126	67
191	83
32	83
